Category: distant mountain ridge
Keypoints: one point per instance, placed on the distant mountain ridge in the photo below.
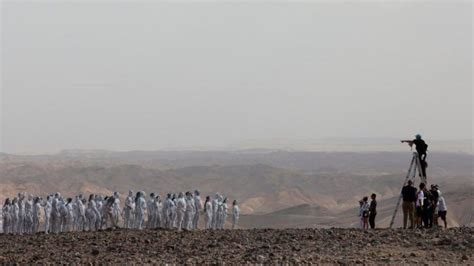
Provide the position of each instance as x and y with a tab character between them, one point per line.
275	188
377	162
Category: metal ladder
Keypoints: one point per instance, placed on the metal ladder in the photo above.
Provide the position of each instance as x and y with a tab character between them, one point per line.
415	165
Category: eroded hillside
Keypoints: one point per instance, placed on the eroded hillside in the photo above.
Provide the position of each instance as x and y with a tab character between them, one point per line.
275	189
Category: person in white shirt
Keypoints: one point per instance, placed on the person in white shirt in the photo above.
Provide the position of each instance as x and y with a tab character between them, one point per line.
151	211
36	214
55	213
81	213
208	213
215	207
159	212
442	210
28	215
47	214
167	212
420	197
92	214
222	214
129	210
7	217
174	211
140	208
116	209
180	210
67	215
108	213
189	212
364	213
235	213
197	209
99	204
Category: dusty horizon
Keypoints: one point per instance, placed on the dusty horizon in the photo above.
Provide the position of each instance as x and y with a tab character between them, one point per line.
206	75
356	145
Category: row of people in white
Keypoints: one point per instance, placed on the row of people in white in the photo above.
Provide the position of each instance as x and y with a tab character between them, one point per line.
181	212
216	212
22	214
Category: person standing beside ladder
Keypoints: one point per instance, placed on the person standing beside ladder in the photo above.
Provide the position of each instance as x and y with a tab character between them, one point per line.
409	198
421	149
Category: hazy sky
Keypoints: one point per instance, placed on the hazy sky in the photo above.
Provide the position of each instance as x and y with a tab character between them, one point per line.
144	75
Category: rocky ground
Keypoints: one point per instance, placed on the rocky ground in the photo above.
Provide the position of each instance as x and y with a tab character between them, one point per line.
453	246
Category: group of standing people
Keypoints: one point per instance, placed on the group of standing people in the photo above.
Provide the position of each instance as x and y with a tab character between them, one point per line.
23	214
368	211
180	211
423	207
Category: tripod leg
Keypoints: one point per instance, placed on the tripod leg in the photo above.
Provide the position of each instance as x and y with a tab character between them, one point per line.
414	169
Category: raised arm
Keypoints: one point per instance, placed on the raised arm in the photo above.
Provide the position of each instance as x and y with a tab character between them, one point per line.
410	142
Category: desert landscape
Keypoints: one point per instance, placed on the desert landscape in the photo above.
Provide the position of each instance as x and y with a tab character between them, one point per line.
285	113
275	188
297	207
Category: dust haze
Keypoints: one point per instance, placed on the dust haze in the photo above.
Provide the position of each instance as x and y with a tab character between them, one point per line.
207	75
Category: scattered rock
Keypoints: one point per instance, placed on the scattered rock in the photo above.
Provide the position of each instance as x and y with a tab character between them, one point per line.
289	246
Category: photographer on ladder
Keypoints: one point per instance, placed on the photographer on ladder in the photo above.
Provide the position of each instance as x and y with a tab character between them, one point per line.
421	148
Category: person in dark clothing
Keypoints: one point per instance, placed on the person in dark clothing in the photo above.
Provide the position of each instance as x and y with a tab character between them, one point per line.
427	210
421	149
408	205
372	211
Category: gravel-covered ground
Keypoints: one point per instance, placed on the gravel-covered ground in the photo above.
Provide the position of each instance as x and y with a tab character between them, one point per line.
455	245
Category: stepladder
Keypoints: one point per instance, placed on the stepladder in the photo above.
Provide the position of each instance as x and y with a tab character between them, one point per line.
415	166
